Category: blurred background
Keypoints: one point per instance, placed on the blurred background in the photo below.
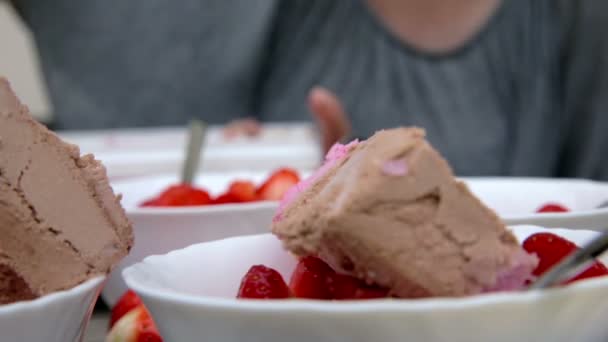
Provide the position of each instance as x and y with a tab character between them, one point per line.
503	88
19	63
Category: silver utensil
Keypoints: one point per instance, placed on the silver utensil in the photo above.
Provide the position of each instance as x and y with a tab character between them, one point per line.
574	264
196	139
603	205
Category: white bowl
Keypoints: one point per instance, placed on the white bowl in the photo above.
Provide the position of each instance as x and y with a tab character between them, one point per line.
160	230
146	151
57	317
190	293
514	199
517	199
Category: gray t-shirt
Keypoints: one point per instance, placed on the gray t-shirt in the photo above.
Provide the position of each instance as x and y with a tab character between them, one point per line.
525	96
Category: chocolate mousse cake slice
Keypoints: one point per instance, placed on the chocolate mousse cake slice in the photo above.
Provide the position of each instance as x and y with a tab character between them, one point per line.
389	211
60	222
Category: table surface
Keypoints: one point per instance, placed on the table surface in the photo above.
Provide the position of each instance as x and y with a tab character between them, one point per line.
97	329
98	326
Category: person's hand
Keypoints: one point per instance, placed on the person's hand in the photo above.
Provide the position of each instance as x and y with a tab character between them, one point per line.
242	127
326	109
329	114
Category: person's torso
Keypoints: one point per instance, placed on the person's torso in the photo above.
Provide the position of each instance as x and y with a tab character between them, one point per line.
492	106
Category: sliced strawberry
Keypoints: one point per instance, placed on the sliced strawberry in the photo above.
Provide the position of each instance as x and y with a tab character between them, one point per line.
312	279
552	208
129	301
343	287
224	199
551	249
242	191
596	270
136	326
277	184
262	282
180	195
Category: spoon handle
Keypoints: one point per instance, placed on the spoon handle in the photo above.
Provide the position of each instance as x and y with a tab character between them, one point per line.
196	138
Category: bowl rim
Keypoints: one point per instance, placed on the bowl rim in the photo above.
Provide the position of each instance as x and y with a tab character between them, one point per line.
351	306
259	205
201	210
40	302
547	216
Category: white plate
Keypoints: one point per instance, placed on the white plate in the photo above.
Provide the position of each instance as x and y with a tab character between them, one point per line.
517	199
190	293
58	317
160	230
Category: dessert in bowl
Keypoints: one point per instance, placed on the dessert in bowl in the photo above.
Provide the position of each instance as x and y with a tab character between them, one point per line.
387	218
167	216
62	229
573	203
191	295
56	317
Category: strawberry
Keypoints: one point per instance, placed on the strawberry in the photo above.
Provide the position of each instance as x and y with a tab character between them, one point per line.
242	191
135	326
551	249
262	282
312	279
277	184
347	287
224	199
126	303
552	208
180	195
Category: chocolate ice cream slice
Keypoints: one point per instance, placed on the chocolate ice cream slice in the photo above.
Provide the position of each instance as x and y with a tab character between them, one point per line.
60	222
389	211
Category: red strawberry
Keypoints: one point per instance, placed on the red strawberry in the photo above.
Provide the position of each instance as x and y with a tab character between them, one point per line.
312	279
242	191
277	184
126	303
224	199
262	282
135	326
552	208
180	195
551	249
596	270
348	287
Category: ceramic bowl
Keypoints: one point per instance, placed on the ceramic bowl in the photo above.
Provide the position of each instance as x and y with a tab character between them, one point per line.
190	293
516	200
160	230
57	317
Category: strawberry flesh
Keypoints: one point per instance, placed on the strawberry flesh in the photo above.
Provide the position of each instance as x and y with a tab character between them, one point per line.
129	301
262	282
314	279
552	208
180	195
551	249
277	184
136	326
242	191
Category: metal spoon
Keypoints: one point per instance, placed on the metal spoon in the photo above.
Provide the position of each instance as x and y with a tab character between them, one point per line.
196	139
603	205
574	264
